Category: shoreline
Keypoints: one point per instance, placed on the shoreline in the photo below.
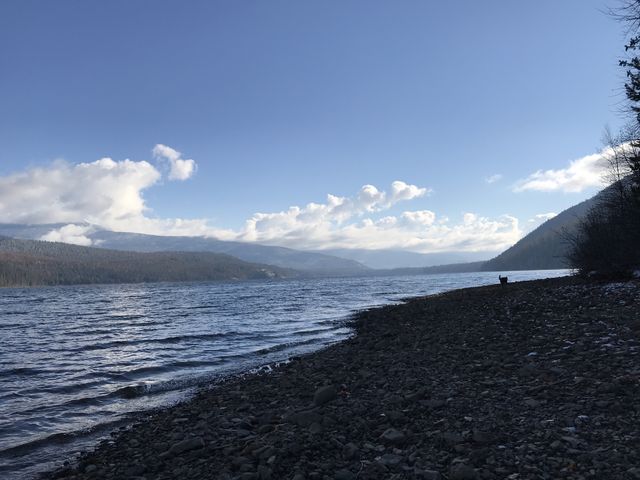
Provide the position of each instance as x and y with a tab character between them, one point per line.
471	383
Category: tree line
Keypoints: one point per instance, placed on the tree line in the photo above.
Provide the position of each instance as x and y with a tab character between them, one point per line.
32	263
607	241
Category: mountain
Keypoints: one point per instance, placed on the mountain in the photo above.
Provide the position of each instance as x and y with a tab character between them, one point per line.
33	262
545	247
308	262
399	259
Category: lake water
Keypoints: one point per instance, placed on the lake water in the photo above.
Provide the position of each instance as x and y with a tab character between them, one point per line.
77	362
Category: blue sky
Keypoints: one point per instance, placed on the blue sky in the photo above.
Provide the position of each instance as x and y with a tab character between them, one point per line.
280	103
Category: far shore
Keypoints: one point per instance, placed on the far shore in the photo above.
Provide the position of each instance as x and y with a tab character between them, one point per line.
530	380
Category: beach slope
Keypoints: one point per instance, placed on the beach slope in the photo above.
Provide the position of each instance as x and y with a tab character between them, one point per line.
531	380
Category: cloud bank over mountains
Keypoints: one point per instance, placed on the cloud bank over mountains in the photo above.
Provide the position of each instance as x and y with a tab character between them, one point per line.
109	194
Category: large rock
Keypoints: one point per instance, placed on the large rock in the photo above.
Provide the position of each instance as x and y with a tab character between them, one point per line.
186	445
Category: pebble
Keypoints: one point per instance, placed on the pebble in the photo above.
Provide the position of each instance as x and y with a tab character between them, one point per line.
325	395
460	471
393	436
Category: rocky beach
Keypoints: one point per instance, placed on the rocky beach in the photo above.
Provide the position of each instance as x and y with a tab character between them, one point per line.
531	380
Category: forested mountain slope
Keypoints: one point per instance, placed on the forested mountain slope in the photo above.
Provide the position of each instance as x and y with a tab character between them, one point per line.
31	262
544	248
311	262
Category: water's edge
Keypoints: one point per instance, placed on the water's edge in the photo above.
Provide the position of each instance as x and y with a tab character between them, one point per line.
60	446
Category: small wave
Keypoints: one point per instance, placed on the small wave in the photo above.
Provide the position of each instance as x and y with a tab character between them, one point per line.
135	391
21	371
124	317
59	438
333	321
65	389
200	307
315	331
174	339
83	332
285	346
10	325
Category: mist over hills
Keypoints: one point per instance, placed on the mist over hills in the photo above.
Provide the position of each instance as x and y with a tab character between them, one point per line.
309	262
33	262
397	259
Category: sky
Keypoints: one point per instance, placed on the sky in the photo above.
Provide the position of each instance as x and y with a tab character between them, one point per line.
421	125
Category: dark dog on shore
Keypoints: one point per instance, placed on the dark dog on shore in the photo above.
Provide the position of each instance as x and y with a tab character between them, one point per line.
503	280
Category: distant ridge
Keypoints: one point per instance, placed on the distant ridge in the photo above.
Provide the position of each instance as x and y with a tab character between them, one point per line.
33	262
309	262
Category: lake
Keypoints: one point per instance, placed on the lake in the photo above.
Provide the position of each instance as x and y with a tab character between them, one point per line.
77	362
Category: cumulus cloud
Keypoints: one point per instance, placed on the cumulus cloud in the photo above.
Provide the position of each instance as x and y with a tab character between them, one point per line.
180	169
344	222
419	218
493	178
297	222
105	192
74	234
109	194
582	173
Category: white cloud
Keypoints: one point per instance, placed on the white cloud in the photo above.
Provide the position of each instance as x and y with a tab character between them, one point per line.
582	173
493	178
75	234
420	218
180	169
298	223
109	194
106	193
332	225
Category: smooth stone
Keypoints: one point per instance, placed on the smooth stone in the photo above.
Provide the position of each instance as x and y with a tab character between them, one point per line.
349	451
452	438
461	471
482	437
186	445
390	459
325	395
344	475
393	436
264	473
428	474
530	402
305	418
315	428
